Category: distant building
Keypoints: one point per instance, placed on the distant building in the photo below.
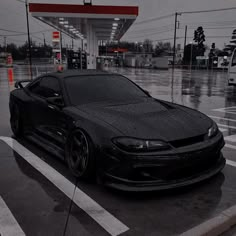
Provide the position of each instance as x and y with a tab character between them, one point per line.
145	60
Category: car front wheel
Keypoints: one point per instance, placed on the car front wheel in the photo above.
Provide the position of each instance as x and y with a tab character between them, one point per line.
80	155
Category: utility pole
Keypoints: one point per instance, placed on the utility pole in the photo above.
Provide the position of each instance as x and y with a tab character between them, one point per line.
185	37
29	43
174	48
81	54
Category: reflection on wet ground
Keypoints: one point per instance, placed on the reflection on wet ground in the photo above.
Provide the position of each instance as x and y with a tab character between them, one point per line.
201	90
41	209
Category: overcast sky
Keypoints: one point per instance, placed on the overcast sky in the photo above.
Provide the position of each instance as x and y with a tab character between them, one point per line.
12	17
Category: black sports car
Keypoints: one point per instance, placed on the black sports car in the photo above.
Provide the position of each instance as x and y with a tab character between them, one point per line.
105	125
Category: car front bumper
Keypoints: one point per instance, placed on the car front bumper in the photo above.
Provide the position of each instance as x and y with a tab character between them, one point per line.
163	170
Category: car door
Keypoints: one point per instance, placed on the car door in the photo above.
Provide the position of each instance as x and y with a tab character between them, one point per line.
49	121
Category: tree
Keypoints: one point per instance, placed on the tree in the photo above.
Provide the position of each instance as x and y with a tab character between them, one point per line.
13	49
232	45
162	49
147	45
190	49
199	38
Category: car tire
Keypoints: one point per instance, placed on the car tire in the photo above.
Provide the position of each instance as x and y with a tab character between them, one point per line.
80	155
16	121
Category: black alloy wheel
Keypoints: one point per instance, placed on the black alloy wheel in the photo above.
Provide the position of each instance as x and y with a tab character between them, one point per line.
80	156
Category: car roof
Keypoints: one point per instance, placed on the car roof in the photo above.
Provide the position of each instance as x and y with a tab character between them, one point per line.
69	73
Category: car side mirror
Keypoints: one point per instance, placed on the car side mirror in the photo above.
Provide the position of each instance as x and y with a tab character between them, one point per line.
18	84
56	101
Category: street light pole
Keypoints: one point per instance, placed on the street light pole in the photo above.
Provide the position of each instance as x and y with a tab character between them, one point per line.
29	43
185	36
174	48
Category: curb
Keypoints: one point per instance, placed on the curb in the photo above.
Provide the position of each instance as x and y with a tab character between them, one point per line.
215	226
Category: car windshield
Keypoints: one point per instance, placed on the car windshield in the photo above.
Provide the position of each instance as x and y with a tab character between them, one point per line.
102	88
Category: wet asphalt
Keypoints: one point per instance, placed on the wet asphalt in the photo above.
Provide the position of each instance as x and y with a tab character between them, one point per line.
42	209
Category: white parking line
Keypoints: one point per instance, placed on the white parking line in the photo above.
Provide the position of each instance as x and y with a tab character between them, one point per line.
111	224
230	146
222	118
222	130
226	126
8	224
230	138
231	163
230	110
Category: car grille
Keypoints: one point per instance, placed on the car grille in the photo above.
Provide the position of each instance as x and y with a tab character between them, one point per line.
175	172
187	141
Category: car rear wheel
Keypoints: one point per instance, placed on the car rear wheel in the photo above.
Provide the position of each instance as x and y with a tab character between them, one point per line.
80	155
16	121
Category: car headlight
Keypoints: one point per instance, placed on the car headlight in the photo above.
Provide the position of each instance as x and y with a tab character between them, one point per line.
134	144
213	130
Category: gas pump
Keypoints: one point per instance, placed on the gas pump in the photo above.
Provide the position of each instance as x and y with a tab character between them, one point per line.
76	60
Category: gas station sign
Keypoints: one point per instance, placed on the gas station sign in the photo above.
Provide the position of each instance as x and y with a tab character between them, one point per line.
55	36
56	47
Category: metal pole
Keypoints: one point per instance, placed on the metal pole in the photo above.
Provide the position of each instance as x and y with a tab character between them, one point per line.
29	43
81	55
61	47
174	48
185	37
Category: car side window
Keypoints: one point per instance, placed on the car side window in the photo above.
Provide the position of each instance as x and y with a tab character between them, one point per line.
46	87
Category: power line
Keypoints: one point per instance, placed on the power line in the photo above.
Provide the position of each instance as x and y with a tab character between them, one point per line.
212	36
11	31
145	35
207	11
151	29
221	27
210	22
12	35
154	19
21	34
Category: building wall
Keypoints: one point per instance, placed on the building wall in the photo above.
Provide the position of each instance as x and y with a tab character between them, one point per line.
160	62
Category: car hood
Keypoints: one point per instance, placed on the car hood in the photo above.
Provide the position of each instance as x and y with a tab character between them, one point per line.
151	119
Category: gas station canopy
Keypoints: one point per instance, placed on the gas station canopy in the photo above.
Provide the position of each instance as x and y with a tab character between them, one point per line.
78	21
